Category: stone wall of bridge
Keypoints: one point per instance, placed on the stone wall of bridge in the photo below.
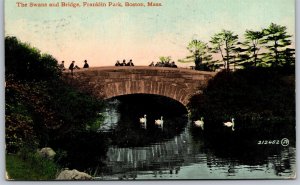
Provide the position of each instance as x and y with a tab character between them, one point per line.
107	82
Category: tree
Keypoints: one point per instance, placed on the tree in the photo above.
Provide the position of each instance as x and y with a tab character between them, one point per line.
200	53
253	43
289	57
164	59
27	63
39	105
225	43
276	40
241	56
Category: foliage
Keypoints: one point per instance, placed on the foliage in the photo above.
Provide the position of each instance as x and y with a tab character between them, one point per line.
76	109
276	40
50	108
27	63
253	43
263	48
39	105
289	57
36	104
86	149
225	44
164	59
250	94
200	53
19	128
30	166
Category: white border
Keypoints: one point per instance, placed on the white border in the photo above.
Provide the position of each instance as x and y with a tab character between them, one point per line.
223	182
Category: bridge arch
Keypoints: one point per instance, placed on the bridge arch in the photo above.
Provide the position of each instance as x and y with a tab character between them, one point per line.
173	91
108	82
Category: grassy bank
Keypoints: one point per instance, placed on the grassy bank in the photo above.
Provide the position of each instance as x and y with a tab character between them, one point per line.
31	168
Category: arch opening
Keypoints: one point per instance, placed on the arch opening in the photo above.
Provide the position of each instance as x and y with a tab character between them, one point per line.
130	108
152	103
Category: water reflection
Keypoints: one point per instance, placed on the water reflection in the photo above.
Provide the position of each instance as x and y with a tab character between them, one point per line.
181	150
111	115
187	157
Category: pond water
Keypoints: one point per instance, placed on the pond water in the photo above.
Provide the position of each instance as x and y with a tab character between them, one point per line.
126	150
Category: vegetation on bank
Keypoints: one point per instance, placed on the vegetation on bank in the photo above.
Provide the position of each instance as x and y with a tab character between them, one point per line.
252	94
30	167
39	106
263	84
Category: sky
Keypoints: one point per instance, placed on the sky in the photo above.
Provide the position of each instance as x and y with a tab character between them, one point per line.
102	35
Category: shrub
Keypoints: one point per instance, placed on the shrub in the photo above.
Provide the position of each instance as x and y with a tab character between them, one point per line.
39	105
250	94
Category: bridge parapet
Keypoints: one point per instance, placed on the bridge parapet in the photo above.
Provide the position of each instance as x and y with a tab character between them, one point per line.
107	82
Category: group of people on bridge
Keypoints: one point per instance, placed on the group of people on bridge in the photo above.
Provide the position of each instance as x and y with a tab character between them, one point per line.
72	66
130	63
163	64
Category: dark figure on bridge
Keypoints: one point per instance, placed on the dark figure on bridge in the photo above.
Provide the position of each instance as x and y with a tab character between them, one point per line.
130	63
62	66
159	64
123	63
167	64
71	67
86	65
152	64
118	63
173	65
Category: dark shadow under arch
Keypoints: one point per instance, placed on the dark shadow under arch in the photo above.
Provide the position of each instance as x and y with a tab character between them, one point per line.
152	102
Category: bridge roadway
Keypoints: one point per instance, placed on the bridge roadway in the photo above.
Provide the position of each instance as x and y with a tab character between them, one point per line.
108	82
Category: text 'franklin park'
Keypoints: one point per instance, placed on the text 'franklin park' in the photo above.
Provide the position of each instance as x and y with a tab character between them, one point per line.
87	4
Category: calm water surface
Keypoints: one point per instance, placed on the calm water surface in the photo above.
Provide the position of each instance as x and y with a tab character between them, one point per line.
180	150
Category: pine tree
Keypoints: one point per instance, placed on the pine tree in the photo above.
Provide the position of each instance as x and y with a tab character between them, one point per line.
276	41
253	45
225	44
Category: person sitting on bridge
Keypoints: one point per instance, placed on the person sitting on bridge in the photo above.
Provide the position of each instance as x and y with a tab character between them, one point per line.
118	63
173	65
152	64
71	67
62	66
123	63
130	63
86	65
158	64
167	64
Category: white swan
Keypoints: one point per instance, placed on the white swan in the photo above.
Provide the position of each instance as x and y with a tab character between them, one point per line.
230	124
160	122
143	121
200	123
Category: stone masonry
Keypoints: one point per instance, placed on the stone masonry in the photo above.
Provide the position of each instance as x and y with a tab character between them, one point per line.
107	82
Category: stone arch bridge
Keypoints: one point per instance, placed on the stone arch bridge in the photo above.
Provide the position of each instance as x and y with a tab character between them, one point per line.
108	82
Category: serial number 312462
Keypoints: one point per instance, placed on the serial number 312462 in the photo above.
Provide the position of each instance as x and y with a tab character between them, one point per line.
268	142
283	142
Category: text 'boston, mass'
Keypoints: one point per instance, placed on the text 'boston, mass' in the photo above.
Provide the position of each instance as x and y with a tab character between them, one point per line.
88	4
